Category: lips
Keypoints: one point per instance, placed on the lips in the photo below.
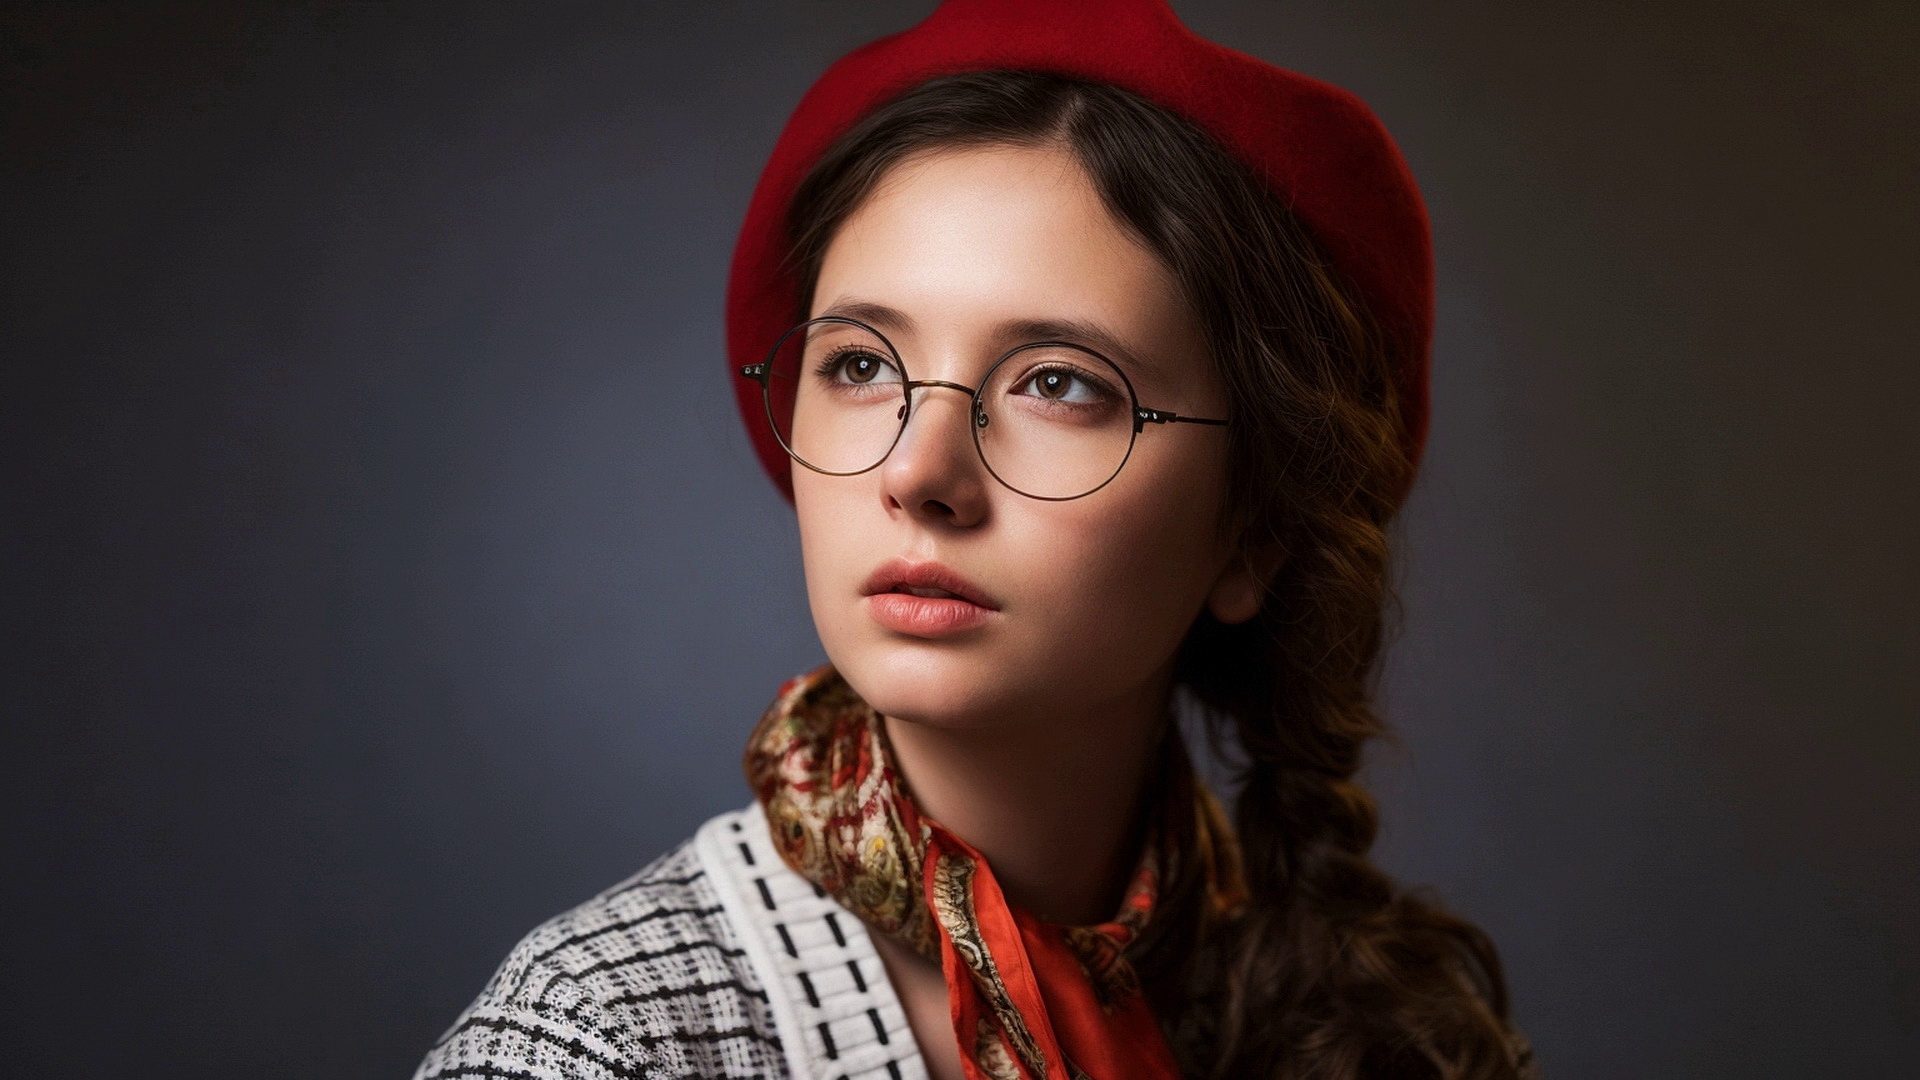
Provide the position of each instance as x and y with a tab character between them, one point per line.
929	580
926	600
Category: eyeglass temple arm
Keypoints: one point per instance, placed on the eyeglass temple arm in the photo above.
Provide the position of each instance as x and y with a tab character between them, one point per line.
1143	417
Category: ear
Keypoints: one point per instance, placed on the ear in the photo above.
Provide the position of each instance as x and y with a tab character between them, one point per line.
1242	585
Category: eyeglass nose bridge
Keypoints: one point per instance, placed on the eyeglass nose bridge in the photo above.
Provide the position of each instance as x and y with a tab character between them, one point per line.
973	396
918	383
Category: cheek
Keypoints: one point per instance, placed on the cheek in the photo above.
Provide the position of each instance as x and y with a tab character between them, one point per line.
829	544
1126	569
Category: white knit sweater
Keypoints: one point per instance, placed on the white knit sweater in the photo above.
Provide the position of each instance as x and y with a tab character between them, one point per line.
716	960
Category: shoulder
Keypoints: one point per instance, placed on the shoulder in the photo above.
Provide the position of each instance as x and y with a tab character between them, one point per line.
647	979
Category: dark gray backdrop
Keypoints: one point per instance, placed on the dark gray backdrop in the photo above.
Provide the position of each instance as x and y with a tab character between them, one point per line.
385	569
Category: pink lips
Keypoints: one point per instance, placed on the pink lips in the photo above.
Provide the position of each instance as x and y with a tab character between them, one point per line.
925	599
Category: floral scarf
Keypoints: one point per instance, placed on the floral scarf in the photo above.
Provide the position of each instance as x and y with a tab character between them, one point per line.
1030	1000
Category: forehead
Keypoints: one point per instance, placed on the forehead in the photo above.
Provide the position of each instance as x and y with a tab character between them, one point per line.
965	242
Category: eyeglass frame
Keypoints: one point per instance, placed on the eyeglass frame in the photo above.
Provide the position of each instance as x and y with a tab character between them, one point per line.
762	373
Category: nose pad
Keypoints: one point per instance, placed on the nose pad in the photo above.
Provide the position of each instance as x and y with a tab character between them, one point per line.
913	420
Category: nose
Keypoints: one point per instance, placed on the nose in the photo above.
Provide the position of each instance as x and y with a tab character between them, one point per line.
934	473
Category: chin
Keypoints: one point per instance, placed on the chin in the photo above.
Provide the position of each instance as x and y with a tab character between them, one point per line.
936	683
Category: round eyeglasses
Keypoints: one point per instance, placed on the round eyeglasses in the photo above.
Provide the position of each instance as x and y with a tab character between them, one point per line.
1051	420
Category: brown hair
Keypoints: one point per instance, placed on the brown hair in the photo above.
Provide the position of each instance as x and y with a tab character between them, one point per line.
1333	971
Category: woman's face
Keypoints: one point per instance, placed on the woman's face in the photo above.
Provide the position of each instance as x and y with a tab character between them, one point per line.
1086	600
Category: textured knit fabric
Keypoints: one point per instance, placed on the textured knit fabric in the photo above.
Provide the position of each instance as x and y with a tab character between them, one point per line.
713	961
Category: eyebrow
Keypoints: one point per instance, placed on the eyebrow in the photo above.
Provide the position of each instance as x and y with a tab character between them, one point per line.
1010	332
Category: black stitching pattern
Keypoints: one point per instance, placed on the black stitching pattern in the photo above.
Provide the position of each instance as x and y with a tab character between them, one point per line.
826	1036
649	979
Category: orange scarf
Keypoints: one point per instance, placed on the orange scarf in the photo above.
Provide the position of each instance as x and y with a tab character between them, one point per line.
1030	1000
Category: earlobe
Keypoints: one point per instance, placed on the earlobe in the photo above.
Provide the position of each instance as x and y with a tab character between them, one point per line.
1242	586
1234	600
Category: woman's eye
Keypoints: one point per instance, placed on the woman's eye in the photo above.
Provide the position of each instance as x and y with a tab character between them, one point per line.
860	368
1059	384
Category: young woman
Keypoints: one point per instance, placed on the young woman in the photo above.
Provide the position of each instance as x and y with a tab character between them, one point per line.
1092	357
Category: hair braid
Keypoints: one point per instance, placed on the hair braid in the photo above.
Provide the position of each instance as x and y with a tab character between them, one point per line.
1376	981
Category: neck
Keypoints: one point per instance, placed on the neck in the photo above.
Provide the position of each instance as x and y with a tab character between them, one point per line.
1051	805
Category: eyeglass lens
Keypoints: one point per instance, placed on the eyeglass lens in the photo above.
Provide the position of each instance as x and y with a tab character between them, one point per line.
1053	421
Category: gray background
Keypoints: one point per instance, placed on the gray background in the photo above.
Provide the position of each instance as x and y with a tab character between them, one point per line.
385	569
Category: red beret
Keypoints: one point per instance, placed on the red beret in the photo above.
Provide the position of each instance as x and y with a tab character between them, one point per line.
1320	148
